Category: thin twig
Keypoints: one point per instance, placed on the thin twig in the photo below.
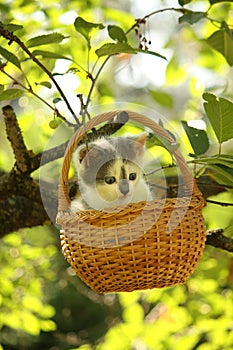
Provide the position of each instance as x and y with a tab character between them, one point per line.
161	168
13	38
94	79
141	20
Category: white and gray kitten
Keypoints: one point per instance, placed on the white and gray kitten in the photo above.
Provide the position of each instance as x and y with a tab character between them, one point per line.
110	173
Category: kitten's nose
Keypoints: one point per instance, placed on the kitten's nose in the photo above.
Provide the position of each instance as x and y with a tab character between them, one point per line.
124	186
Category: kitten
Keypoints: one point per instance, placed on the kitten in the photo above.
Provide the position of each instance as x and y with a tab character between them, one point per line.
110	173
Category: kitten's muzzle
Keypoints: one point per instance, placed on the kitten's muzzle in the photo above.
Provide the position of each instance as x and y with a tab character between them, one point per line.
124	186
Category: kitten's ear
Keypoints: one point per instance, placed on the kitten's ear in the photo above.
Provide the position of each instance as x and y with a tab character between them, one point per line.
139	143
141	138
82	153
86	156
94	153
78	155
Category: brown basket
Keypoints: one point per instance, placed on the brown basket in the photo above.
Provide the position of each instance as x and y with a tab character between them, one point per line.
139	246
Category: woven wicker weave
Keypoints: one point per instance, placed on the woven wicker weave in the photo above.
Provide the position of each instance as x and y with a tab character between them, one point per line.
139	246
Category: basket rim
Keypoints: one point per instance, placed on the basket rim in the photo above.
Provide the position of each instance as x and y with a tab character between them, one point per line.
63	196
195	201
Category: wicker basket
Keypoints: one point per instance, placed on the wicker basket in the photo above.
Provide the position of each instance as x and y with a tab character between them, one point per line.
139	246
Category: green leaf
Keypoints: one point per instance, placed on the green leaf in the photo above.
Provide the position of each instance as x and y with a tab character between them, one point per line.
162	98
191	17
11	94
1	88
10	57
56	100
223	43
197	138
219	113
49	54
222	174
110	49
11	27
207	96
117	33
85	28
46	39
184	2
114	49
45	83
153	53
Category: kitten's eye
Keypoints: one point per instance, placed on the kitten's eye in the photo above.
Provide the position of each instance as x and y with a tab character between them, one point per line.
132	176
109	179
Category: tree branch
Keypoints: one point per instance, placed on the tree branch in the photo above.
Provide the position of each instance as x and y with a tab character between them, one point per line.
18	212
20	203
216	239
14	135
48	156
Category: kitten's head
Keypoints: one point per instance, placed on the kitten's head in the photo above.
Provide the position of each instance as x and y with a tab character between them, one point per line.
110	168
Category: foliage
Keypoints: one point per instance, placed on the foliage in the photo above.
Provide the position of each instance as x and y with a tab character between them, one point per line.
99	50
22	301
188	317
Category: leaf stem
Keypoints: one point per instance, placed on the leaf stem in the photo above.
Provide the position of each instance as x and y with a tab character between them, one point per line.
141	20
94	79
220	149
88	60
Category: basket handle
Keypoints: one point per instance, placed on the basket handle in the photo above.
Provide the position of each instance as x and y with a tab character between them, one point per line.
63	197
